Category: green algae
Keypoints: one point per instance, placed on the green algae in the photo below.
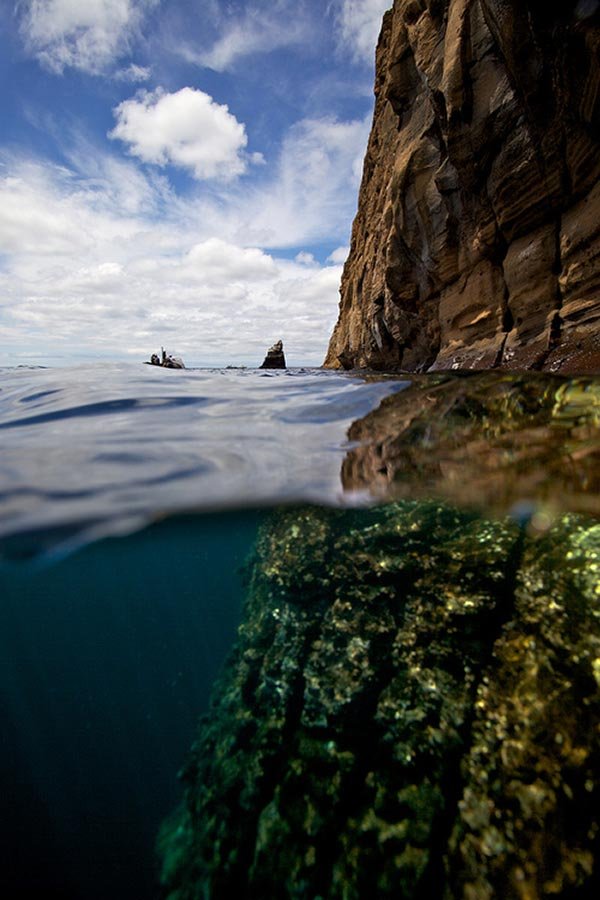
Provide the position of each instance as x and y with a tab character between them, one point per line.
412	707
486	440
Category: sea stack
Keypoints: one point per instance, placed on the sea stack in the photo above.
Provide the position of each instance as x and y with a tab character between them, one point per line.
275	358
477	239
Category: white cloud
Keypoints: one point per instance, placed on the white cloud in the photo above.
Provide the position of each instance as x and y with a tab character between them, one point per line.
82	34
305	259
82	276
186	129
313	195
359	25
257	30
134	74
214	261
339	256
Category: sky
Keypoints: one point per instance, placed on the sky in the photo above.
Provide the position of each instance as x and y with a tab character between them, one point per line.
179	173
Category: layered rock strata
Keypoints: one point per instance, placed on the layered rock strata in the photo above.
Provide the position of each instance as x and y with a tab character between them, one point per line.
477	238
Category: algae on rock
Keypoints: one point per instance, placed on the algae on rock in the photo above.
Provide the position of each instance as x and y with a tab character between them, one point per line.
412	710
489	440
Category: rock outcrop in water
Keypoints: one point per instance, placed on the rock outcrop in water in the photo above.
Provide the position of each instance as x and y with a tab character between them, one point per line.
166	360
412	709
275	358
492	441
477	238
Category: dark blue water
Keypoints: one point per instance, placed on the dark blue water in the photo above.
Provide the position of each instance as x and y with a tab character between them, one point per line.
121	586
106	662
130	499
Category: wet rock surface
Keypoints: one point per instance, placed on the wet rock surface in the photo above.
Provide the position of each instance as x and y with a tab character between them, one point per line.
488	440
477	238
412	710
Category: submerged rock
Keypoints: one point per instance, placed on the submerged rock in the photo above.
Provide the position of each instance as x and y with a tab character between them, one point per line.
496	441
477	238
275	358
412	710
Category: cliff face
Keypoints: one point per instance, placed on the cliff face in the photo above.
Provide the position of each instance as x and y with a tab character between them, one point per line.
477	238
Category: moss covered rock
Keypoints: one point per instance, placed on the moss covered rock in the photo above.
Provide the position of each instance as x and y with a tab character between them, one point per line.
411	710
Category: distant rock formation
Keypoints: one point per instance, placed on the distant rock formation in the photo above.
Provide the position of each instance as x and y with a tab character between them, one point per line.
275	358
166	361
477	238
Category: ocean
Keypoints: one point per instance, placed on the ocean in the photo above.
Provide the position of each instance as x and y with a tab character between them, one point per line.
133	500
130	501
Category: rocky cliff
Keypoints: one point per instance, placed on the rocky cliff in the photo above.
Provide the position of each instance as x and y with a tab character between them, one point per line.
477	238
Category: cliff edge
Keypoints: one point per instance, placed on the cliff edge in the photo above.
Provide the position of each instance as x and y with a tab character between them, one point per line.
477	238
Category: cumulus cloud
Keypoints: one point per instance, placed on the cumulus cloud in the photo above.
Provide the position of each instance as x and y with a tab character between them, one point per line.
359	24
214	261
187	129
305	259
339	256
87	35
82	275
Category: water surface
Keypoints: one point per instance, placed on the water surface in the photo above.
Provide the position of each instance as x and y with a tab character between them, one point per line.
93	450
130	500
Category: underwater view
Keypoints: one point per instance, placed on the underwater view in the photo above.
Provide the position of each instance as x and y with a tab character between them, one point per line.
299	633
325	626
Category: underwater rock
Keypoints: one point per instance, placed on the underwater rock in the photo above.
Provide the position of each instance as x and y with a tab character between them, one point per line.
488	440
412	709
275	358
477	238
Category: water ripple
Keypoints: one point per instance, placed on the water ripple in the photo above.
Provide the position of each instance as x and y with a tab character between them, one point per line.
102	408
130	443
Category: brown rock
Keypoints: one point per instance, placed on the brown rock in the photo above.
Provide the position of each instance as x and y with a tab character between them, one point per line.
477	238
275	358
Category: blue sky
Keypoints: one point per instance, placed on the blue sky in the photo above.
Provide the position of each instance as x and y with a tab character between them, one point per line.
180	173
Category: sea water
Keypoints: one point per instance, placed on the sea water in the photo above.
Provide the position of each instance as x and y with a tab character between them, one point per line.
130	500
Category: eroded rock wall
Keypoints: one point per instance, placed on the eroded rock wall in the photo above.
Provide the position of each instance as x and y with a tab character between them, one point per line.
477	238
